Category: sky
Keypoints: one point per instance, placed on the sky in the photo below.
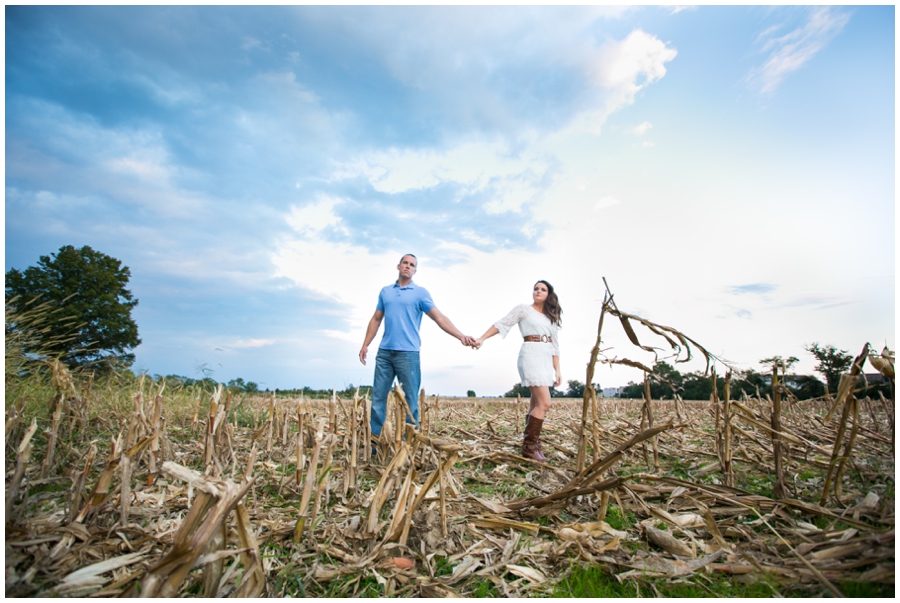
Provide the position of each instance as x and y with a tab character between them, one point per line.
728	170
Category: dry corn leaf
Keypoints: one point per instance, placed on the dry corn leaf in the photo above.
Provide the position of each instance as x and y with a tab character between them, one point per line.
530	574
466	566
667	542
88	579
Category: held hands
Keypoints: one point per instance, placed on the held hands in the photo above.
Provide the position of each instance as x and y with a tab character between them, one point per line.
476	345
468	340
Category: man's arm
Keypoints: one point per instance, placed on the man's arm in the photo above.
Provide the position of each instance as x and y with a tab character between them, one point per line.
444	323
371	330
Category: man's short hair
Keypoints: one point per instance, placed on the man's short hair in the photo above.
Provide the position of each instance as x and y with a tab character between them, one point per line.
410	255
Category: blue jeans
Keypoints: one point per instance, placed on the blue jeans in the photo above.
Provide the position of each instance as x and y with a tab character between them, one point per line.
404	366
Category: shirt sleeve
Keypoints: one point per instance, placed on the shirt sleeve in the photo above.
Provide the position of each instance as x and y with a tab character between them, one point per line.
380	305
509	321
425	302
555	340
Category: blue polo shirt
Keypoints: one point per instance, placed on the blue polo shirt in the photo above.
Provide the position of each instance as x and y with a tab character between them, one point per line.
403	308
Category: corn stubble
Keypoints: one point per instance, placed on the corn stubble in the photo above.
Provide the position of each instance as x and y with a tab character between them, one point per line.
155	500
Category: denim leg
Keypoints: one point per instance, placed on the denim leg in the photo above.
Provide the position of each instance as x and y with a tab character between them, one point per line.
384	379
409	374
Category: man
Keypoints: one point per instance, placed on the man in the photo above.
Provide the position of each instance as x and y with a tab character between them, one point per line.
401	305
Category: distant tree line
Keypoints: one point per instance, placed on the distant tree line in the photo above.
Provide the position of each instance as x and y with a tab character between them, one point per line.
831	364
308	392
666	380
575	390
239	386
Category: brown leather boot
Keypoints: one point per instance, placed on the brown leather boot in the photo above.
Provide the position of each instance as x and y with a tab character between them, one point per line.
531	444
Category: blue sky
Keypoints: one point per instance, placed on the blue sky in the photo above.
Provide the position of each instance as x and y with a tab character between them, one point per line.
729	170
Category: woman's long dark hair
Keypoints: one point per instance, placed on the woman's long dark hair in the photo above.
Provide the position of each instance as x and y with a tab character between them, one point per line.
552	309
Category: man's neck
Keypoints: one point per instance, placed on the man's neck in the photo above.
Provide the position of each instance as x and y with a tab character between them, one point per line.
403	282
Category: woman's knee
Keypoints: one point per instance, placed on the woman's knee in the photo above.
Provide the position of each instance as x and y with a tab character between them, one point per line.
541	397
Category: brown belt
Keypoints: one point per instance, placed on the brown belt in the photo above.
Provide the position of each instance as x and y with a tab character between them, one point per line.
543	338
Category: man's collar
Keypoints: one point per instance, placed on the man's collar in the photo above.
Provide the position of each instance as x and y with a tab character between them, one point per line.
410	285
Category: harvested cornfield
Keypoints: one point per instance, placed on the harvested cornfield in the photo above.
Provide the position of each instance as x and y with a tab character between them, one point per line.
271	497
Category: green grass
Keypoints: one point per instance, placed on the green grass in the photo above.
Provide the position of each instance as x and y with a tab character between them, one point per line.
867	590
617	520
290	579
756	484
504	490
54	486
442	567
679	468
483	588
595	582
809	473
244	415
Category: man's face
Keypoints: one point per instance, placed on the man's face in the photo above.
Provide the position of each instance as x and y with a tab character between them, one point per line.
407	266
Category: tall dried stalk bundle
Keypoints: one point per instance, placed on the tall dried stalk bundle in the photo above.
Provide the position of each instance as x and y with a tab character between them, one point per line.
589	393
778	489
216	499
677	341
23	454
727	466
846	400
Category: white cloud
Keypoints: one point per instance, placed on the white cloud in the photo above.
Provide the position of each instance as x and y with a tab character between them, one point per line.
144	169
641	129
286	83
252	343
323	267
167	88
619	70
454	47
250	43
629	65
605	202
791	51
474	164
132	166
315	216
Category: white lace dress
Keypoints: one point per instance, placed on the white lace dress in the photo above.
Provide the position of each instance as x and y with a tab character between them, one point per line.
535	357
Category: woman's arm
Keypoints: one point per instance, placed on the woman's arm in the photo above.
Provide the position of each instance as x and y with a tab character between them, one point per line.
556	370
487	335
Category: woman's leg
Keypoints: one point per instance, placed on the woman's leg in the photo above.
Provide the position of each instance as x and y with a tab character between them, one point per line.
531	442
540	401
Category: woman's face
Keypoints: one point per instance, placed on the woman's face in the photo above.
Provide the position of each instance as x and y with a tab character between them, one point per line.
539	294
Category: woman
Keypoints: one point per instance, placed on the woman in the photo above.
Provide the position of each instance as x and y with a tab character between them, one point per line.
538	357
